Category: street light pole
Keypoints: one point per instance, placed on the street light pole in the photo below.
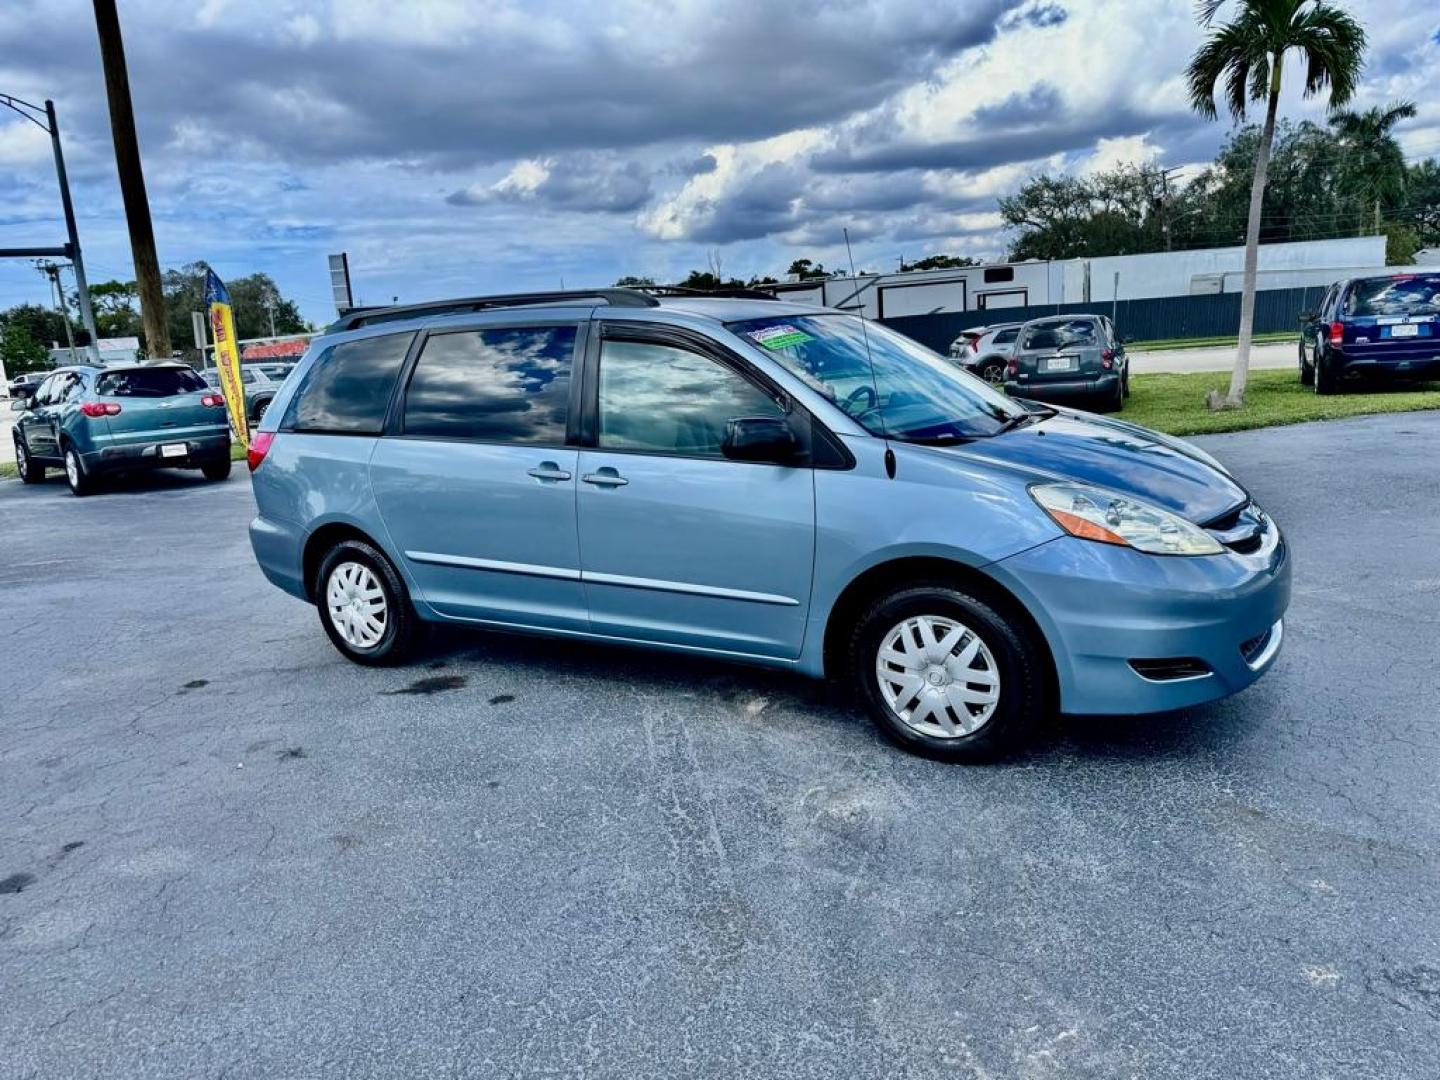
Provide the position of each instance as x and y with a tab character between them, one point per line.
71	250
87	316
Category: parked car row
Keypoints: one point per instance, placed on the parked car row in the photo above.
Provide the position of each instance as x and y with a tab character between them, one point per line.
260	382
1367	327
1062	358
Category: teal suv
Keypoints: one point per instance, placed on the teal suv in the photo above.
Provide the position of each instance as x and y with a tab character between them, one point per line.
92	420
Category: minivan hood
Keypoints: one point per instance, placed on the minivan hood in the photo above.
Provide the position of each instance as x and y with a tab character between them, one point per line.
1119	456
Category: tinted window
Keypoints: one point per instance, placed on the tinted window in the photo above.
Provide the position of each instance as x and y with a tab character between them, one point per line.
494	385
73	389
1005	337
1060	335
155	382
1419	295
348	390
994	274
671	401
42	392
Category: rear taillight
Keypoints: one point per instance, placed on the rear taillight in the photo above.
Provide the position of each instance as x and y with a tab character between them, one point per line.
973	344
259	446
100	408
1337	333
1012	367
1107	358
212	401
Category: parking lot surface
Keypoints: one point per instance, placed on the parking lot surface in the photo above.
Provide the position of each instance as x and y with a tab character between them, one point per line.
227	852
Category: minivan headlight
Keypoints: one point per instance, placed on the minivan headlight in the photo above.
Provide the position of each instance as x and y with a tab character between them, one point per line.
1093	513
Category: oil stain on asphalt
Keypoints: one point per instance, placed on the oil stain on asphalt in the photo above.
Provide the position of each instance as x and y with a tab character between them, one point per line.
431	684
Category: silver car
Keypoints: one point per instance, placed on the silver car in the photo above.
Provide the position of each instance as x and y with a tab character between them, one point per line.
985	350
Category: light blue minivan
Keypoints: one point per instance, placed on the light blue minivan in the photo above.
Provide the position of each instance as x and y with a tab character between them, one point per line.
750	479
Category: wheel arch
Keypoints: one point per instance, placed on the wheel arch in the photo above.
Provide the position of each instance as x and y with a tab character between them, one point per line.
913	570
319	542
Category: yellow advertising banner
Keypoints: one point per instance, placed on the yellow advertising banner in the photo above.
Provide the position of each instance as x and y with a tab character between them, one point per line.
227	355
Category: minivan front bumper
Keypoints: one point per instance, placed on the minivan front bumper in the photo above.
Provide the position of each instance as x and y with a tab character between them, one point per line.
1134	633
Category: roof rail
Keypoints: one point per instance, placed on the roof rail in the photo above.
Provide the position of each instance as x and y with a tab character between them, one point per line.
726	292
367	316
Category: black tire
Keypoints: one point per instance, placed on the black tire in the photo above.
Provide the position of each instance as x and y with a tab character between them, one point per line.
259	411
1324	379
1018	662
30	470
81	483
992	371
402	627
216	470
1307	371
1116	401
1125	382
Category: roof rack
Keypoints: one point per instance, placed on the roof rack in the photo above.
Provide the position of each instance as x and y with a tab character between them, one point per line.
729	292
367	316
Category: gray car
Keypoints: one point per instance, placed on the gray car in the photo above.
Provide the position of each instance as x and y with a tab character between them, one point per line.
260	383
985	350
1070	358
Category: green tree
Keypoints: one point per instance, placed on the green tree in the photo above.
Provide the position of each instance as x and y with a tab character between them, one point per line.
1118	212
1422	187
19	351
44	325
1401	243
1247	54
253	298
630	281
1373	165
804	269
939	262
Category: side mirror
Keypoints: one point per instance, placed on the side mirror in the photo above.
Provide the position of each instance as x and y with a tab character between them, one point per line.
760	438
20	404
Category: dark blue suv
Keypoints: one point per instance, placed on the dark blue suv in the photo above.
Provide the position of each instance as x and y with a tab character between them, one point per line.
1386	325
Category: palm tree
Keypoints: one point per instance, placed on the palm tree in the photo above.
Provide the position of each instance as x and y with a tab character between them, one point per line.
1373	167
1248	54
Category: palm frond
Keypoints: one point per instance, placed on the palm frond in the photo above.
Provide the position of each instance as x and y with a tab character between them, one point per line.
1333	44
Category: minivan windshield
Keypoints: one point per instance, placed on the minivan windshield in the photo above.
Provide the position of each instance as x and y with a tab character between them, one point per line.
152	382
914	394
1412	295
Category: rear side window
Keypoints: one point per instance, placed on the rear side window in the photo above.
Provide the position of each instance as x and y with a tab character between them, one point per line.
502	385
1418	295
148	383
1005	337
348	390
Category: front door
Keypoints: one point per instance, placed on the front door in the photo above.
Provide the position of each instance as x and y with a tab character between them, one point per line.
678	544
39	424
478	488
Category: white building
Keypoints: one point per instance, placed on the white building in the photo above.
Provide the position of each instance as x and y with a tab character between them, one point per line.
1071	281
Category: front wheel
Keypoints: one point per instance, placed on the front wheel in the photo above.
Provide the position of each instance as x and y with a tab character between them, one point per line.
30	470
364	606
1307	372
944	674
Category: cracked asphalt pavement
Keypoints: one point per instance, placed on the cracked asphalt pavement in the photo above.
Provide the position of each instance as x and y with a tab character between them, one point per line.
227	852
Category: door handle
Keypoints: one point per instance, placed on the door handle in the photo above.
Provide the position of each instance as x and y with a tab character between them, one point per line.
605	477
548	470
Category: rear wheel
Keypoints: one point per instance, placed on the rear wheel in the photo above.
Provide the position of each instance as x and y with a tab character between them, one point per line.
81	483
31	471
216	470
993	372
943	674
1324	379
1115	400
364	606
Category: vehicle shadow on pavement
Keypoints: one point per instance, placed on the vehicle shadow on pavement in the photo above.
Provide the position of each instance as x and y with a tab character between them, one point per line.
785	697
134	483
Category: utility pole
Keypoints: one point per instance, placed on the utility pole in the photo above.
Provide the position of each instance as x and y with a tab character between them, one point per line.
1165	175
52	271
270	310
132	181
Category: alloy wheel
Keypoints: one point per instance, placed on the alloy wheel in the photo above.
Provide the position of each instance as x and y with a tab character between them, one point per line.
72	468
355	602
938	677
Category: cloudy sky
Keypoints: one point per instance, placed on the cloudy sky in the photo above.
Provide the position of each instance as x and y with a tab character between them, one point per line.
455	146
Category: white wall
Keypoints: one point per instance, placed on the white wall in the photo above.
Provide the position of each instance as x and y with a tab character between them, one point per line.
1175	273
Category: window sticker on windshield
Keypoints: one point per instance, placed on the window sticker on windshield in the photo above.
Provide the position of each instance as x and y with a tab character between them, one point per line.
779	337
